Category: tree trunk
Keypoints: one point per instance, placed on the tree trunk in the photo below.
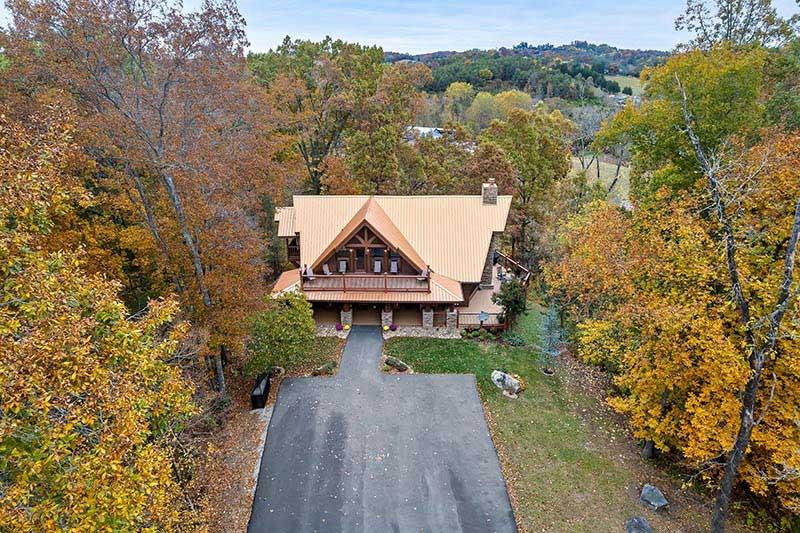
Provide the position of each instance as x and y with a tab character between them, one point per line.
649	449
219	372
746	424
187	237
150	220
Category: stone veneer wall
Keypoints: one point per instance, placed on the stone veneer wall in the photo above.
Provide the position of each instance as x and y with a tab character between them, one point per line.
387	316
486	276
347	315
427	317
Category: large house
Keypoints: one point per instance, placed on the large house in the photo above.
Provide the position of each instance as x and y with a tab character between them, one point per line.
427	261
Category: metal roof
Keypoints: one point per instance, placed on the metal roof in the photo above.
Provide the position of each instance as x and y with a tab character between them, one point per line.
450	233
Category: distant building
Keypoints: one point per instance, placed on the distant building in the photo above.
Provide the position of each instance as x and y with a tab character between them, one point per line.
419	132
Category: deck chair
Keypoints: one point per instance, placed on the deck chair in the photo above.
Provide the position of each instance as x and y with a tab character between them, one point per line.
394	266
326	269
424	275
309	273
342	266
377	267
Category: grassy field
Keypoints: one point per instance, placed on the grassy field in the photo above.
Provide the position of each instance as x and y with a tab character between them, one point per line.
628	81
621	190
568	461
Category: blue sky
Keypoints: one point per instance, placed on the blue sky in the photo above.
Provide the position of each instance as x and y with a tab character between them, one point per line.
425	26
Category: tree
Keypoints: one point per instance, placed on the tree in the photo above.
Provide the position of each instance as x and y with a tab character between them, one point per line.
373	144
513	99
169	107
726	87
483	110
627	90
321	85
513	298
281	335
91	407
536	144
458	97
735	22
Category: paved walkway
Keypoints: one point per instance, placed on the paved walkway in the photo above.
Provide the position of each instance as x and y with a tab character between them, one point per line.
373	452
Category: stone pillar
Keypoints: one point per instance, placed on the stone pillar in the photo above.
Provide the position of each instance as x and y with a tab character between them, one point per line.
347	315
427	317
488	265
452	318
387	316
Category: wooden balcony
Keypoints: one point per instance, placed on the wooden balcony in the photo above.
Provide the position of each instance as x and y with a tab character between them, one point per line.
366	283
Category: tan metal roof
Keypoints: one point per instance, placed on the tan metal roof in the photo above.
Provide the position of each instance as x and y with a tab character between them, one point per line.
284	216
376	218
450	233
443	290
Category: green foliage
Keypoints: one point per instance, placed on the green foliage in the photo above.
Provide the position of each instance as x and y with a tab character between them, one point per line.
281	335
724	90
783	70
513	298
512	338
627	90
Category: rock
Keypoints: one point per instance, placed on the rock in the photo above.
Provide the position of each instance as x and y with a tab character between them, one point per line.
396	363
653	498
638	524
276	371
510	386
325	369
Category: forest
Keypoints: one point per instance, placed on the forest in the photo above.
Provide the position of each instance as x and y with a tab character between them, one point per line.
144	149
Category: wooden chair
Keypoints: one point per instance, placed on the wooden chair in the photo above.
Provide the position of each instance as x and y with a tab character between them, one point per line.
326	269
377	267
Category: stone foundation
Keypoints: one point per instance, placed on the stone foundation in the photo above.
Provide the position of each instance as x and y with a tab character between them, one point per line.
488	265
416	331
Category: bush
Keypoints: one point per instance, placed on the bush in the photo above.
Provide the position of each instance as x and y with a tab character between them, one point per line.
513	298
281	335
513	339
393	327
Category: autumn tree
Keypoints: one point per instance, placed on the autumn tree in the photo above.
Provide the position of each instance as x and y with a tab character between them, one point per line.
735	22
75	451
458	98
281	334
705	276
536	144
321	85
168	106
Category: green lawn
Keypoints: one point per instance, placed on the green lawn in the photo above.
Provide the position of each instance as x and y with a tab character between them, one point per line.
565	474
620	192
628	81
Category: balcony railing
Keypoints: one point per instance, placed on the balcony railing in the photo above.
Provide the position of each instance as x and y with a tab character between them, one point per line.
366	283
520	271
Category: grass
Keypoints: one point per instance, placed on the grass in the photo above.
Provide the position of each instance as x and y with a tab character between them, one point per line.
628	81
564	474
621	191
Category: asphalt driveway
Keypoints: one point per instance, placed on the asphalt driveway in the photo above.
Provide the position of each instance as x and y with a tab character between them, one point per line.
366	451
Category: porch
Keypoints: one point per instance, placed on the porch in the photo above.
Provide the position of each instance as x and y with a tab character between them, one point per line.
366	283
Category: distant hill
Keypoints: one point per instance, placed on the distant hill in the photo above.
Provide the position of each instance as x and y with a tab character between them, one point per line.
613	60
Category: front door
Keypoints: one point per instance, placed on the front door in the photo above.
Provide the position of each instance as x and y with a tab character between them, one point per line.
367	314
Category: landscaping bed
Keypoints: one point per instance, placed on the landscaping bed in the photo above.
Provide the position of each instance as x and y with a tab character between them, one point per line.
569	462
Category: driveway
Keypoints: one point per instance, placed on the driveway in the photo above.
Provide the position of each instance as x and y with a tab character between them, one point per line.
367	451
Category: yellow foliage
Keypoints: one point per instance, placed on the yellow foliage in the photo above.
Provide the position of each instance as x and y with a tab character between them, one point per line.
90	406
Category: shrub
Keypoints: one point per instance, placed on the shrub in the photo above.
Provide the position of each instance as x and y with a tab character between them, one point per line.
339	327
513	339
513	298
393	327
281	335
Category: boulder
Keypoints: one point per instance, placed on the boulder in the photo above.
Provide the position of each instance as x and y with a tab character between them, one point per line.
653	498
638	524
325	369
396	363
510	385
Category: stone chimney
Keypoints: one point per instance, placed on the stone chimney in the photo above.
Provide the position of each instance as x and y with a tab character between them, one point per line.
489	192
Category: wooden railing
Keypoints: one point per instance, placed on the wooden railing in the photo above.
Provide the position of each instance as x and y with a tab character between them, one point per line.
490	320
523	273
366	283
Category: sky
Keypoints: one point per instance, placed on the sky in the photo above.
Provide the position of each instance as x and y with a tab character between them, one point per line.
417	26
